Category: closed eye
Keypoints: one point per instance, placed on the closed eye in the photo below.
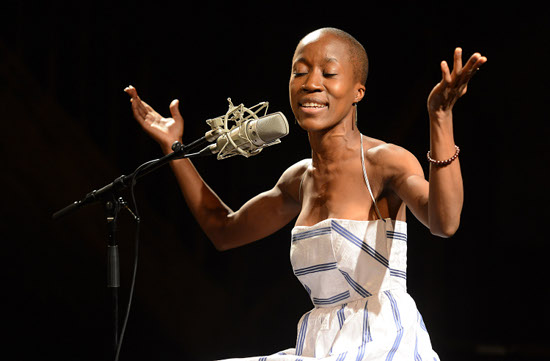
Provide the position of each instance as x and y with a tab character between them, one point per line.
329	75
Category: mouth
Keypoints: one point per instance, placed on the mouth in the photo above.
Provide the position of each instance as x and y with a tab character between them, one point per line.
312	105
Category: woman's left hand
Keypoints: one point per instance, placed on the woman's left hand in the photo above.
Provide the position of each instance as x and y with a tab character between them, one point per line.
453	84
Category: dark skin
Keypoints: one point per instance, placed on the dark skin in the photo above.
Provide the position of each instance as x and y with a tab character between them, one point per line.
323	90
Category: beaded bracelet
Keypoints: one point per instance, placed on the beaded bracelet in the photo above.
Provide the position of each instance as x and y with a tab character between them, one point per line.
442	163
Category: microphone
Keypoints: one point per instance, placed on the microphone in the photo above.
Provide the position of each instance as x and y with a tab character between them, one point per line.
249	137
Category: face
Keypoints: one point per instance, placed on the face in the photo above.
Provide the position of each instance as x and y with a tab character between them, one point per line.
322	85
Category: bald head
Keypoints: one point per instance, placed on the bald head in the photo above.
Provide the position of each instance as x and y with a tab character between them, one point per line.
357	53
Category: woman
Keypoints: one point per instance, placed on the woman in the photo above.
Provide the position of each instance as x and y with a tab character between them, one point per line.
349	241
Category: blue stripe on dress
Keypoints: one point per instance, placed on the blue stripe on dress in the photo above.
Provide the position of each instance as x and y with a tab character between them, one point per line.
262	359
398	325
330	300
356	286
366	328
342	356
316	268
360	353
302	335
397	235
398	273
359	243
416	354
341	316
311	234
366	337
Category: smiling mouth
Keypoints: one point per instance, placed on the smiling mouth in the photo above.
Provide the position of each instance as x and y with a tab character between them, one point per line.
312	105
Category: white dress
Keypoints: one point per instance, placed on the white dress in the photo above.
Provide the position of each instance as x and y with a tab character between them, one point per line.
355	273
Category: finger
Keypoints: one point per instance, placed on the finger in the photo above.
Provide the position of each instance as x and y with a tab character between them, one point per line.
470	65
139	108
142	109
445	73
482	60
131	91
475	62
463	90
137	105
457	67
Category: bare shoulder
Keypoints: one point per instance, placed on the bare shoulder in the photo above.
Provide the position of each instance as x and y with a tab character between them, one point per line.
391	157
298	168
289	182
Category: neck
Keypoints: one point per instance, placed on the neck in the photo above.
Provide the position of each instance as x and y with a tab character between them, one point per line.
334	145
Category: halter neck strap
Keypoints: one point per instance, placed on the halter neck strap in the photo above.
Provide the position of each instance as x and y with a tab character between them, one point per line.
367	179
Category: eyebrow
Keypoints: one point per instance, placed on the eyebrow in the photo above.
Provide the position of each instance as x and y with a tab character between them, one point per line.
327	60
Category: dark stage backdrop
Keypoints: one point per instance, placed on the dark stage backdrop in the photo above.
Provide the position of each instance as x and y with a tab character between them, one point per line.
67	128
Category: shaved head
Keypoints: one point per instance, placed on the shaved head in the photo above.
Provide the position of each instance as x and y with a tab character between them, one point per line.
358	55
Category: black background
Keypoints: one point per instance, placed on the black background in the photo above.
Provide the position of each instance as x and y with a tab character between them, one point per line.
67	128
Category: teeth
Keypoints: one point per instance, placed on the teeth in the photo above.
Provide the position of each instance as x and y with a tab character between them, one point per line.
313	105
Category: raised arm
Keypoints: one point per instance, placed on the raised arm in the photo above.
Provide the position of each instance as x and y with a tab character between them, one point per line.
256	219
446	192
438	204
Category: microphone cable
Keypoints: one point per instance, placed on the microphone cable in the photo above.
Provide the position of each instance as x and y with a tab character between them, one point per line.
136	256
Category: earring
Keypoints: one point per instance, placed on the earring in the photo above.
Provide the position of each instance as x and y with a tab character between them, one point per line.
356	117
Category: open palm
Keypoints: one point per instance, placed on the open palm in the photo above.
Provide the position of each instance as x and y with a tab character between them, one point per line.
164	131
453	84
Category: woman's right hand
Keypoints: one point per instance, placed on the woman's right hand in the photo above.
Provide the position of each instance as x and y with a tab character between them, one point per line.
164	131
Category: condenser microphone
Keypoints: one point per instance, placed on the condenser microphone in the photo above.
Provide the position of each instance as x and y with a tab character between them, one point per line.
250	137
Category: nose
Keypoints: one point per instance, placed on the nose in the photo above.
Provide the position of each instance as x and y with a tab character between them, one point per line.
313	82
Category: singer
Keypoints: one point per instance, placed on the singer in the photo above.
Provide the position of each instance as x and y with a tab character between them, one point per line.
349	200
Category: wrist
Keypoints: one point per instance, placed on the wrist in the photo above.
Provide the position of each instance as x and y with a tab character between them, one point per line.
440	115
167	147
442	144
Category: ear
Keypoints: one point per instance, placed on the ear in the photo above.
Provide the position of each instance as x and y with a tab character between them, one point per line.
359	93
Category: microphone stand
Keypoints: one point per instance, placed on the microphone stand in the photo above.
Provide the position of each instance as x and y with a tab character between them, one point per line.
179	151
112	205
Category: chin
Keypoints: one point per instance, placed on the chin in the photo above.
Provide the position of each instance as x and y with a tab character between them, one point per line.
316	124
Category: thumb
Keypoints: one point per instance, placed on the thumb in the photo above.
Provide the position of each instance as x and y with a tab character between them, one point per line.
174	110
